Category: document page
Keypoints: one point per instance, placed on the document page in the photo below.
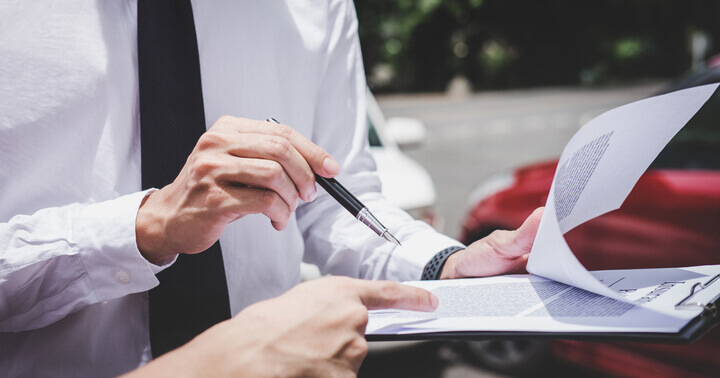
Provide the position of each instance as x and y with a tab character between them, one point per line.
535	304
519	303
596	171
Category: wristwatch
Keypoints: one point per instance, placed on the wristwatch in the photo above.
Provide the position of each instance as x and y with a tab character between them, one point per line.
434	267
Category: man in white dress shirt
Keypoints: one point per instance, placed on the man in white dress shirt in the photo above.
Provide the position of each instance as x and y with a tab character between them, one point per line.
80	243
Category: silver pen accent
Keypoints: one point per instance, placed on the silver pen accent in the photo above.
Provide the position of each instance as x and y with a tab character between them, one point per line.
352	204
369	220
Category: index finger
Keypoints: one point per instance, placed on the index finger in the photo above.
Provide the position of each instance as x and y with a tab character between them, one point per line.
389	294
319	160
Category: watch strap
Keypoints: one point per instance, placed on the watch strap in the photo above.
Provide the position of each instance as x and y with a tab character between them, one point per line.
433	269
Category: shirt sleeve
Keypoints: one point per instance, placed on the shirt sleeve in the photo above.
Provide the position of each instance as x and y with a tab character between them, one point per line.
59	260
334	239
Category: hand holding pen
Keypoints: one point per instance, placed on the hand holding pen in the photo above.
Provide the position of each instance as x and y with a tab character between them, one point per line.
352	204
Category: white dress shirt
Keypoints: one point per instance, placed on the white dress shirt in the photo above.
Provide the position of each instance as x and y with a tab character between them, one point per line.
73	284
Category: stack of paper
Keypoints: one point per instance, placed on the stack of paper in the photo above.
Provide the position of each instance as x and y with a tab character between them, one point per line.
597	170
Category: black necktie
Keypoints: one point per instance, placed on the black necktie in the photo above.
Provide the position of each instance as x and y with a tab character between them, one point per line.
192	295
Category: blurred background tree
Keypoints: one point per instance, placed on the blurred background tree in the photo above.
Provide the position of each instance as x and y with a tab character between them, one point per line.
421	45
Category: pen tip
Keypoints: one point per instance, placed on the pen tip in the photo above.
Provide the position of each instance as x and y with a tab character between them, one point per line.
389	237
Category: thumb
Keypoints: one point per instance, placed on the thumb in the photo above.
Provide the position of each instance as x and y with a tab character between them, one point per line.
513	244
390	294
524	236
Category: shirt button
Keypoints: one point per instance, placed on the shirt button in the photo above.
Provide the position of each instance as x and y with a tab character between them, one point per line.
122	277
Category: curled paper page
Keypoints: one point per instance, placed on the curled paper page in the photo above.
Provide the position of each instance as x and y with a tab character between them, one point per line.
597	170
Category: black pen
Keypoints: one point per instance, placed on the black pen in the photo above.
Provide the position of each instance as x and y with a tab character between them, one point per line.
352	204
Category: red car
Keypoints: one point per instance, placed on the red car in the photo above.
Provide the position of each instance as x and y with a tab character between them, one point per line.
670	219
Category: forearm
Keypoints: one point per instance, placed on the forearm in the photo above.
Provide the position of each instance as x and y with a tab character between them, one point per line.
61	259
340	244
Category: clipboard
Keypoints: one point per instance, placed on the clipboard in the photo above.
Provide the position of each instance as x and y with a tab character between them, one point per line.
695	329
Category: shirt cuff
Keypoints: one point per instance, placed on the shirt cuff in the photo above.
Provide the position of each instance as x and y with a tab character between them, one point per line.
105	236
164	263
407	262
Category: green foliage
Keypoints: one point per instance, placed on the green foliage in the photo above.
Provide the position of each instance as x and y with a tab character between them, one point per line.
628	48
422	44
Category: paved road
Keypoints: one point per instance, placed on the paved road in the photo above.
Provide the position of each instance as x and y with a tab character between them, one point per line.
469	139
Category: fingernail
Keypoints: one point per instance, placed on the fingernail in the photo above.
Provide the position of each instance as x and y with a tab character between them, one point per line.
312	195
330	166
434	301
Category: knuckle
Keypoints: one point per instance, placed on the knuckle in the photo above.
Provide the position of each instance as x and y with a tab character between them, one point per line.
279	147
203	166
341	282
215	196
361	345
274	207
271	171
210	139
283	131
270	199
357	348
305	179
496	241
390	292
355	352
225	120
359	315
495	234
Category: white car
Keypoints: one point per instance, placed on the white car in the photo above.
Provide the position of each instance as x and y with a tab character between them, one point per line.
404	181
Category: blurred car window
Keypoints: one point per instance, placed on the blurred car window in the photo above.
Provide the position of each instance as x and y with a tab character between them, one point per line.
697	145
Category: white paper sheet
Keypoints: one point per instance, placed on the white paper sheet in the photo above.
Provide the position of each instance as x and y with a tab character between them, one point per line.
530	303
597	170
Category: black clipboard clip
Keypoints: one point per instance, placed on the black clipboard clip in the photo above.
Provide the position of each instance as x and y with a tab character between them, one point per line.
708	308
